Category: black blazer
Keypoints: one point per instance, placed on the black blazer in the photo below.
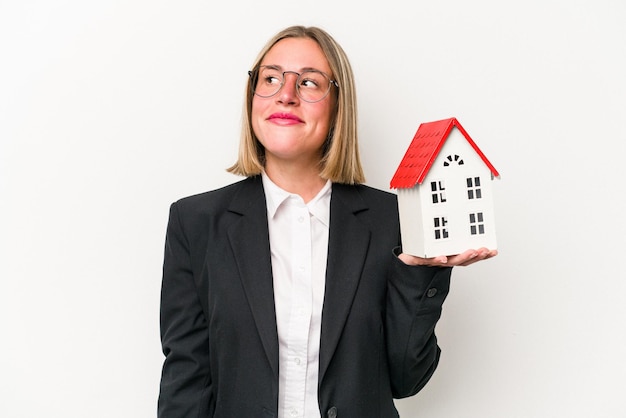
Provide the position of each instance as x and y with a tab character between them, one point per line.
218	324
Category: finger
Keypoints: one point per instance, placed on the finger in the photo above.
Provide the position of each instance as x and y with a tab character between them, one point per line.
412	260
465	257
481	254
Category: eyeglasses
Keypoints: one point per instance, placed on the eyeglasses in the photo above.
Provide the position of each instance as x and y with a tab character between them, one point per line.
311	85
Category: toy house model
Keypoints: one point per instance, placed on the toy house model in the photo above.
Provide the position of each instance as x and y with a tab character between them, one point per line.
445	199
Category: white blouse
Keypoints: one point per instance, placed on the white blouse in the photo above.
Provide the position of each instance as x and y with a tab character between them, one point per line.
298	235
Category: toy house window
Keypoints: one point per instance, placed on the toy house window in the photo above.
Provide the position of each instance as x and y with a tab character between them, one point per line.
441	230
438	191
452	159
477	223
473	188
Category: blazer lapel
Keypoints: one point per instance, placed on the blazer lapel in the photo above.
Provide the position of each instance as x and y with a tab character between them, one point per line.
250	243
347	248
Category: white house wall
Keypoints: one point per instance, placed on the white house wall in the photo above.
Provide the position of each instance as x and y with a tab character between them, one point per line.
417	211
411	221
458	206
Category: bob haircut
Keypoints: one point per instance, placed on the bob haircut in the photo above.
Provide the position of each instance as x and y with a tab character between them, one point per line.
340	161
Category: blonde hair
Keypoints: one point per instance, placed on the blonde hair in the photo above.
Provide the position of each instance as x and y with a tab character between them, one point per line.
340	161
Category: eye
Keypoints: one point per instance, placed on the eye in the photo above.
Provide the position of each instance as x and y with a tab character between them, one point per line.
270	76
271	80
311	80
309	84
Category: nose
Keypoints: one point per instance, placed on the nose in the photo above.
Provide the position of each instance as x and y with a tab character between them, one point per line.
289	92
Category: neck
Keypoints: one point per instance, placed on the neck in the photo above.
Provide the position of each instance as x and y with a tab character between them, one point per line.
304	181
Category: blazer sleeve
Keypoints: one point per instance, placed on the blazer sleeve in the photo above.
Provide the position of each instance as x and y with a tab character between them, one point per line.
415	295
185	388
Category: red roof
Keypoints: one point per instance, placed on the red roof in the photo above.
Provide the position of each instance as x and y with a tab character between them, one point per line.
423	151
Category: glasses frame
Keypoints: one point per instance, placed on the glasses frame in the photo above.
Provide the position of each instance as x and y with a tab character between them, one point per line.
254	78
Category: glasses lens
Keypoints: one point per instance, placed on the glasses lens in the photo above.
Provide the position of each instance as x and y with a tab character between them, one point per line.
313	86
268	82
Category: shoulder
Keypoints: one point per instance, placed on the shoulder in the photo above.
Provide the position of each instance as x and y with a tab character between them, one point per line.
375	207
202	216
368	196
217	199
209	211
376	194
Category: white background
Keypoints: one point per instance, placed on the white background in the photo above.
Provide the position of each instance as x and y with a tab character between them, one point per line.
110	110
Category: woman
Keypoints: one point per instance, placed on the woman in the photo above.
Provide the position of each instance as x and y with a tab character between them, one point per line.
286	294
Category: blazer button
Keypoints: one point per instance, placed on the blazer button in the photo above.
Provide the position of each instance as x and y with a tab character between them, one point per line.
431	292
332	412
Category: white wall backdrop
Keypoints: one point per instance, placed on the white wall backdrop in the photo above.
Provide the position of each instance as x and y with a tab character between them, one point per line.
110	110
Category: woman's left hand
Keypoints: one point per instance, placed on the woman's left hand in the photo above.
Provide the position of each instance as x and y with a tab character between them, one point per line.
464	259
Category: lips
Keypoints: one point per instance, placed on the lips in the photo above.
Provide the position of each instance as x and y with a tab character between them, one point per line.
284	118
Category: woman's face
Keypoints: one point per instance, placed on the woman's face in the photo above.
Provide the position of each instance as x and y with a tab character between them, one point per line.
291	129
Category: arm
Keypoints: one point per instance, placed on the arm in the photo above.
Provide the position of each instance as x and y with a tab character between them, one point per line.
185	382
415	295
416	291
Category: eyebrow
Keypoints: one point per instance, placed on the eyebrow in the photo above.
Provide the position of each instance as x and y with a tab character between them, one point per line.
278	67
